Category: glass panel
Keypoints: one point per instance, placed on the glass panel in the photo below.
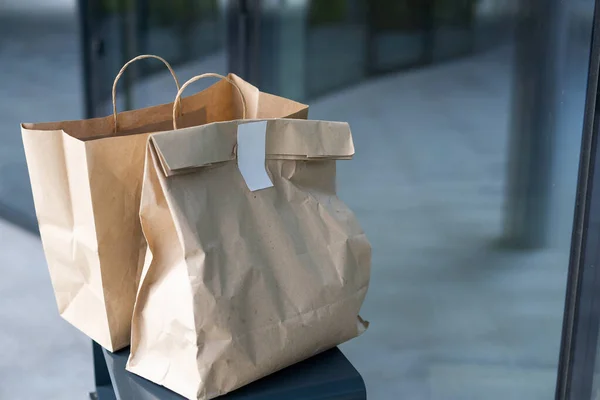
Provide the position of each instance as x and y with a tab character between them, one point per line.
464	180
180	30
453	27
109	24
190	34
400	30
336	44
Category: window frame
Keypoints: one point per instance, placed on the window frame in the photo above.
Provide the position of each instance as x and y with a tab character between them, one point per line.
581	321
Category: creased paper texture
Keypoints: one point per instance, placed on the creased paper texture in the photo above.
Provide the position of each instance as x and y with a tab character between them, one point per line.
243	283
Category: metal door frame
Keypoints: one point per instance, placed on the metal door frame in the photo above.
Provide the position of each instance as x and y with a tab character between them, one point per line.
581	320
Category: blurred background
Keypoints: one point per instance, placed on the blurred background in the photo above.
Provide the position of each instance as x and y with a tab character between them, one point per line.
467	118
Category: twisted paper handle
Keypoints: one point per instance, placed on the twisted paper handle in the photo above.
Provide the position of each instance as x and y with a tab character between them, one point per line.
177	103
114	88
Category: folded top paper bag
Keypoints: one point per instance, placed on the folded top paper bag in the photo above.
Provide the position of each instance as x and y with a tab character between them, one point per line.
86	178
254	262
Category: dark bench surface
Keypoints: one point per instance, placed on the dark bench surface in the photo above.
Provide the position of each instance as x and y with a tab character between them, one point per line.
327	376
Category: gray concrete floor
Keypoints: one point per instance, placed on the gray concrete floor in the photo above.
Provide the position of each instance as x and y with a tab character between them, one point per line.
454	315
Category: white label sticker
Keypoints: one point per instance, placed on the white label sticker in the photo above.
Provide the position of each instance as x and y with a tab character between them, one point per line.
251	145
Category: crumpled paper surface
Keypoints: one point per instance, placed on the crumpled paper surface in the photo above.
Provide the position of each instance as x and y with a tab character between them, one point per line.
241	284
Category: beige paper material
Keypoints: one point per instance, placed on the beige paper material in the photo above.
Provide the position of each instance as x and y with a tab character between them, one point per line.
241	284
86	185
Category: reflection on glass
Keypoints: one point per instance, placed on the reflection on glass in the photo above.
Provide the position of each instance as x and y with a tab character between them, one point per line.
453	24
180	30
335	45
190	34
399	32
312	47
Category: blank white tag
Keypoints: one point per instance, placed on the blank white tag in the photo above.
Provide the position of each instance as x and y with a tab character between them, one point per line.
251	145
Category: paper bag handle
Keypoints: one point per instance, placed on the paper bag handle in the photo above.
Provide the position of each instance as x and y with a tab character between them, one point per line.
140	57
177	103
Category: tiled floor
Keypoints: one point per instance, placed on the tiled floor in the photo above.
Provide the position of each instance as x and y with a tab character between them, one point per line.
454	314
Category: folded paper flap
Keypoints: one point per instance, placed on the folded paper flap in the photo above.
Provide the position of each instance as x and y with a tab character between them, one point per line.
309	139
209	144
195	146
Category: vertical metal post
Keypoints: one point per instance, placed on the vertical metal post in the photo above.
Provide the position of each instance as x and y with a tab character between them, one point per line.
427	15
265	62
539	55
236	22
581	323
127	38
101	376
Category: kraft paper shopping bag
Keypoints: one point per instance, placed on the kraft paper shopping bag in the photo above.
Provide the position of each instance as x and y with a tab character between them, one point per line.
255	263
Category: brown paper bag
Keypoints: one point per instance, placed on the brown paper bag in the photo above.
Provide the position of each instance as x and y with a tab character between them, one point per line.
242	283
86	178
